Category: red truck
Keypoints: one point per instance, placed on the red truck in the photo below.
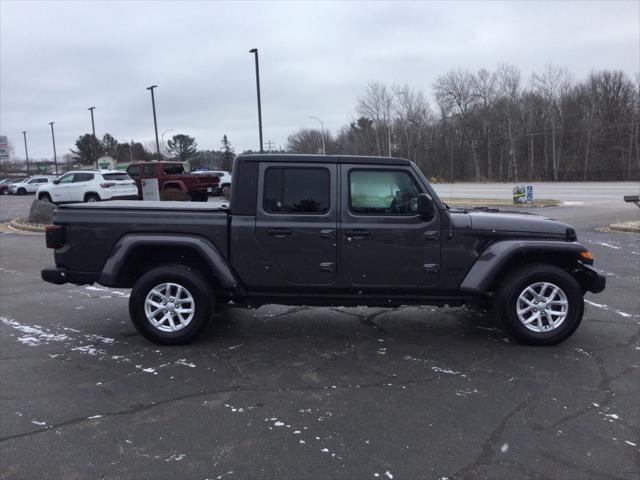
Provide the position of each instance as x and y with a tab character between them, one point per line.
171	175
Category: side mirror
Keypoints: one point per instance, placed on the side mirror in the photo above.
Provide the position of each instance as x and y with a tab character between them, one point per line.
426	208
56	181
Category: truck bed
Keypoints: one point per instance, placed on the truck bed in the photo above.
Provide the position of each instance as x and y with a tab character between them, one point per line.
216	205
93	229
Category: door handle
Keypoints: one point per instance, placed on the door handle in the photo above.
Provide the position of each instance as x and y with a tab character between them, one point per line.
357	234
279	232
432	235
327	233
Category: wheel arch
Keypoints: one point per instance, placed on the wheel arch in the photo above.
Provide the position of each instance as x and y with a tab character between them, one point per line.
136	253
504	256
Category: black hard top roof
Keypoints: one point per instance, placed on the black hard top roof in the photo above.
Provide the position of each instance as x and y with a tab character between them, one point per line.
294	157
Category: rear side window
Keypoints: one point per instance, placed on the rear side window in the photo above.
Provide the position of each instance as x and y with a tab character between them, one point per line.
82	177
173	168
296	190
149	170
382	192
116	176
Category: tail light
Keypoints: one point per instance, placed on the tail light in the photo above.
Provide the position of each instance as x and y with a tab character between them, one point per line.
54	235
108	184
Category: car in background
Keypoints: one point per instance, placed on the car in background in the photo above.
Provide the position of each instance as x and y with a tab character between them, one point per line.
224	187
4	185
89	186
172	176
28	185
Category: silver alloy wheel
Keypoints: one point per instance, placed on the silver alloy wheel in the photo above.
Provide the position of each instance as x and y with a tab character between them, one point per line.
542	307
169	307
92	199
45	198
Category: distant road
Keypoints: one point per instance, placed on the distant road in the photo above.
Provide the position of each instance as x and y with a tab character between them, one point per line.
581	192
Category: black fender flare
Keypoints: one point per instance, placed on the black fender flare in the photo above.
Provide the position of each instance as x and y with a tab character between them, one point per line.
214	260
490	263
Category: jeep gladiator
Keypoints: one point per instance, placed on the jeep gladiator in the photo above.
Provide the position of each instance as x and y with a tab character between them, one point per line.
171	176
324	230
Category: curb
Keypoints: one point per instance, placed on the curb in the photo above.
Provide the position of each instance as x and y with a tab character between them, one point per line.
21	225
622	227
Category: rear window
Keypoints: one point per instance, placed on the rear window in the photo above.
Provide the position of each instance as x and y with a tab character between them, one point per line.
82	177
296	190
173	168
116	176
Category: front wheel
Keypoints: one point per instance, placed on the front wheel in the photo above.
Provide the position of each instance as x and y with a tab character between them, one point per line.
44	197
540	304
171	305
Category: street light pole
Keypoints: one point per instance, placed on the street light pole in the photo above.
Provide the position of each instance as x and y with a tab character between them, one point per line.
324	152
255	52
26	152
155	121
55	157
94	139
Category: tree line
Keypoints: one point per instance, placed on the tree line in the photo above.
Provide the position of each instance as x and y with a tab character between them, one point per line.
180	147
491	126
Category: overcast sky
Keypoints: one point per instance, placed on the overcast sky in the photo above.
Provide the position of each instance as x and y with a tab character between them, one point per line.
59	58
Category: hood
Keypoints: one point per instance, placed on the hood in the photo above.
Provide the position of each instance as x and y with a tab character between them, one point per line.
517	222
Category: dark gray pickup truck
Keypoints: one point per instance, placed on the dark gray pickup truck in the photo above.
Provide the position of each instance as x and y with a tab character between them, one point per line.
324	230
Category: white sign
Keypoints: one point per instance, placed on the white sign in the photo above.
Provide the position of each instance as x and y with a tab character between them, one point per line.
150	190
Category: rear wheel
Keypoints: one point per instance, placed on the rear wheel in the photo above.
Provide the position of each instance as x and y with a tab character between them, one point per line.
91	198
171	305
226	191
540	304
22	191
44	197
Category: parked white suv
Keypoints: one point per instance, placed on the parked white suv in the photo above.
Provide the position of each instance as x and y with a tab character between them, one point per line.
28	185
224	187
89	186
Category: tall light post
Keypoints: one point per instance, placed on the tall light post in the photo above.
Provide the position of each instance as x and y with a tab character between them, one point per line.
255	52
94	139
155	121
324	152
55	157
164	148
26	152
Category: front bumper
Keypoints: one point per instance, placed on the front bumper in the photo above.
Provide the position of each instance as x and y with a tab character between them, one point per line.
60	276
590	279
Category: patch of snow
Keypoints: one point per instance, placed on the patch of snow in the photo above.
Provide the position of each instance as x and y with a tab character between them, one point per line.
504	448
183	361
89	350
35	335
604	244
594	304
40	424
630	443
388	474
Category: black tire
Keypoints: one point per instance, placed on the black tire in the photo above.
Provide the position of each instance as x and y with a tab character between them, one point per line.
195	285
515	283
91	198
45	197
21	191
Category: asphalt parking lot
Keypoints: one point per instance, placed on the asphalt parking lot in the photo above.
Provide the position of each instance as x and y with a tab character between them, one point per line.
302	392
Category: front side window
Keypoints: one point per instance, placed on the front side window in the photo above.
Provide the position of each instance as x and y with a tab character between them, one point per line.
382	192
68	178
134	171
296	190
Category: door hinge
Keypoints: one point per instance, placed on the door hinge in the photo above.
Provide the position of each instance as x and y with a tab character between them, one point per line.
431	268
328	267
